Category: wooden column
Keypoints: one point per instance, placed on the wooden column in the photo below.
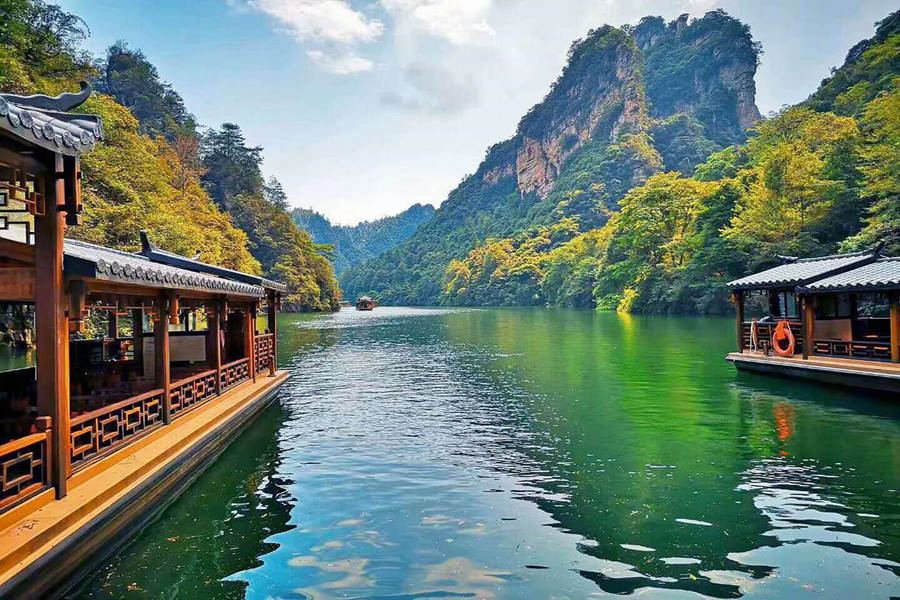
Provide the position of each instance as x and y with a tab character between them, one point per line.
162	357
52	327
809	326
251	336
738	298
895	328
113	329
137	338
214	342
273	329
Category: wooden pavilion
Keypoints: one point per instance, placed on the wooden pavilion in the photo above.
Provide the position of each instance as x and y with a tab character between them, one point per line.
145	362
842	312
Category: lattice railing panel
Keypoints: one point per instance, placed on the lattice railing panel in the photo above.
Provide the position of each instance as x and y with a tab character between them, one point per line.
24	467
97	432
192	391
264	351
235	373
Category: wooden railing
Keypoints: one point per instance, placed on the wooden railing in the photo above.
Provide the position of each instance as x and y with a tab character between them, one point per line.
194	390
24	468
264	351
866	350
764	333
100	431
235	372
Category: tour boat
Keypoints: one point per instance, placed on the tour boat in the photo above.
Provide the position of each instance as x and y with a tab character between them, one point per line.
366	303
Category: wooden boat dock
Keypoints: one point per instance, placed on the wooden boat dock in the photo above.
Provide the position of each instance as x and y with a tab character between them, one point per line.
147	363
839	318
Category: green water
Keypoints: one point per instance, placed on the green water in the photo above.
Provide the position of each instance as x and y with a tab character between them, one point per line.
13	358
508	453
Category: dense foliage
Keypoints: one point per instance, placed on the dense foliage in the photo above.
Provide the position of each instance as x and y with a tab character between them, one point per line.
196	195
354	244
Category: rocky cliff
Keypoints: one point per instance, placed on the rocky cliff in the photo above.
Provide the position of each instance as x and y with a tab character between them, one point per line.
630	101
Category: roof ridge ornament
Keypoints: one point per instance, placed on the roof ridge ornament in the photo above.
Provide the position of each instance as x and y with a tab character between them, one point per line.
146	245
63	102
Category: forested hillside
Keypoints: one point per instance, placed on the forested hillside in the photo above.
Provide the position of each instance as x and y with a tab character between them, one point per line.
354	244
198	192
634	203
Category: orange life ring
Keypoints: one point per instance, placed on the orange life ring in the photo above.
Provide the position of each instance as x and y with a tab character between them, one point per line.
781	336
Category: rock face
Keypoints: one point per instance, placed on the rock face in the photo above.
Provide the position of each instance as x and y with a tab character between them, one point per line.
630	101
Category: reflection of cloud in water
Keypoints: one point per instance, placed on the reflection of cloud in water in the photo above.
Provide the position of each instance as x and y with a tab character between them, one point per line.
461	576
353	570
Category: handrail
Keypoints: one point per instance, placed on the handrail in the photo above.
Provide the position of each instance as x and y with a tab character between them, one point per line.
99	412
19	443
24	467
235	362
192	378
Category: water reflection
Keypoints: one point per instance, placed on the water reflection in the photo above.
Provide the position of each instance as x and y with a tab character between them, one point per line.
541	453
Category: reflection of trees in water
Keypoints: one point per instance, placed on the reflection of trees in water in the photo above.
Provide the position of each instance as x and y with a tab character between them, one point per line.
217	527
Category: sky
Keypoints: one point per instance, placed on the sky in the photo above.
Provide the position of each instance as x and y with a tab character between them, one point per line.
364	107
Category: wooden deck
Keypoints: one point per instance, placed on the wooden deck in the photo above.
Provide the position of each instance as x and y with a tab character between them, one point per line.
45	543
861	374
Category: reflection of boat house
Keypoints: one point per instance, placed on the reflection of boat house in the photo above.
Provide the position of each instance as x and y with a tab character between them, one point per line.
146	363
843	312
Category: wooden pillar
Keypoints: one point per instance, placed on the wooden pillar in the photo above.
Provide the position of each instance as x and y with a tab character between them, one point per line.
52	328
250	334
895	328
273	329
113	329
738	298
162	357
214	343
809	325
137	338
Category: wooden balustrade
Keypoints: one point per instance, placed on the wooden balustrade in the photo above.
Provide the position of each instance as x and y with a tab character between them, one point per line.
24	468
866	350
235	372
100	431
264	352
194	390
764	333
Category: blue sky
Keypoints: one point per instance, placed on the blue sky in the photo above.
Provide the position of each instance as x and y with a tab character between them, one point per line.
367	106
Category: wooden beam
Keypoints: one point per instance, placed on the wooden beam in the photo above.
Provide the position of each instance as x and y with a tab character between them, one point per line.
895	328
17	251
250	335
161	351
809	326
52	331
17	284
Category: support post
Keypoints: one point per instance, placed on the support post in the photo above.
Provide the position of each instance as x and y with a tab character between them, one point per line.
137	338
250	329
113	330
738	298
809	326
895	328
52	328
273	329
161	351
214	343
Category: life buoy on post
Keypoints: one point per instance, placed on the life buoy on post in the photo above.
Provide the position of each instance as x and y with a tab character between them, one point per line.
783	339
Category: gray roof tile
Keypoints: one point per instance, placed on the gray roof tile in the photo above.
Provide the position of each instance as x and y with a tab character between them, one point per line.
883	274
44	121
802	271
107	264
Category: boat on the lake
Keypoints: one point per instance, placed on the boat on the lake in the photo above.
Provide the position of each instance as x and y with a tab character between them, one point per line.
366	303
114	420
832	319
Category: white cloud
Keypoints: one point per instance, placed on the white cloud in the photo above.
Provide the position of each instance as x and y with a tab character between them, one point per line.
322	20
346	63
460	22
434	89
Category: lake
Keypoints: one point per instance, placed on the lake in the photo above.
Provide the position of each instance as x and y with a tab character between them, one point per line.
531	453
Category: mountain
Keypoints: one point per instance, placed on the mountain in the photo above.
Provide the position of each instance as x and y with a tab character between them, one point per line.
630	102
813	179
358	243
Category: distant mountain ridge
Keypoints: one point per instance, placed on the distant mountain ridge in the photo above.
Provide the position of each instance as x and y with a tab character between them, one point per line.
354	244
631	101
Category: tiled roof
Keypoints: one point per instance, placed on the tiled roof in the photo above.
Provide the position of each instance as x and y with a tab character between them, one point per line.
97	262
155	254
44	121
883	274
802	271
